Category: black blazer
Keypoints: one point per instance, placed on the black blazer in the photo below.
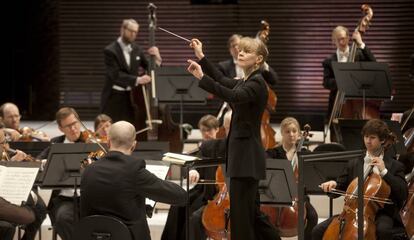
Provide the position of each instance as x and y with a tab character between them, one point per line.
45	153
117	71
118	184
328	74
394	178
245	154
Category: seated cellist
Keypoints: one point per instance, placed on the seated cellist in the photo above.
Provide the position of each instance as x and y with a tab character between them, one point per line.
290	130
375	133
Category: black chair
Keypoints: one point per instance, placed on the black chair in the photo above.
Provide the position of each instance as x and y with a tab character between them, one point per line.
329	147
399	233
99	227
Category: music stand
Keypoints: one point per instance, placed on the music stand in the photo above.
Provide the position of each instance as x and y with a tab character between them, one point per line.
315	166
363	79
63	167
32	148
176	85
349	134
279	187
153	150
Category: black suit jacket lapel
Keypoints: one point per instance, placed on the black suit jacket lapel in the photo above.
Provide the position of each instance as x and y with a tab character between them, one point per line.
121	57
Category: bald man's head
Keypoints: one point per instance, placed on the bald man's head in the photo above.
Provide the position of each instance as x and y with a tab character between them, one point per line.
10	115
122	135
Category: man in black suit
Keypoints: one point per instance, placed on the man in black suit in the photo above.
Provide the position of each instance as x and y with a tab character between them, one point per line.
375	133
125	63
340	37
61	202
118	184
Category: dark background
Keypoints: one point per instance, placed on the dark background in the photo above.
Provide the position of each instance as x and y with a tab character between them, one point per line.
54	48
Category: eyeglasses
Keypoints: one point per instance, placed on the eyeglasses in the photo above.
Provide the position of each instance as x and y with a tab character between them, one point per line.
132	30
70	125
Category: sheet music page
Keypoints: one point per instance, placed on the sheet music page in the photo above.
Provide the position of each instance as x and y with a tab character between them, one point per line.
161	172
16	183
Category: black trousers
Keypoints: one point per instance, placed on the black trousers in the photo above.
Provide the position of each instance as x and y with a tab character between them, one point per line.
119	106
64	218
246	220
384	227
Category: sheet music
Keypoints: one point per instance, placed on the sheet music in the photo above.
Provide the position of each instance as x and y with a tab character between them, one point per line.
161	172
180	159
16	183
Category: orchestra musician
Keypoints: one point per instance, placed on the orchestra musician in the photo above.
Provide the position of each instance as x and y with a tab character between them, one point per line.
31	214
124	196
123	60
340	37
245	158
61	202
200	193
10	116
101	126
375	132
290	131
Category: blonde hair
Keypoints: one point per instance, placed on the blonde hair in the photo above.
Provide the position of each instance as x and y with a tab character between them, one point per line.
338	29
127	22
254	45
287	121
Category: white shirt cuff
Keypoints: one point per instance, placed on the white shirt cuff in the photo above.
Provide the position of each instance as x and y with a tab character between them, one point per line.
362	46
383	172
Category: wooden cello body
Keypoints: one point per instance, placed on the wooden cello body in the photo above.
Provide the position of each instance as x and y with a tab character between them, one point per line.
216	214
157	118
345	226
407	212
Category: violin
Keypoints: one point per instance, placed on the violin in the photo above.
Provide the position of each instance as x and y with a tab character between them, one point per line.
6	151
29	134
375	195
91	158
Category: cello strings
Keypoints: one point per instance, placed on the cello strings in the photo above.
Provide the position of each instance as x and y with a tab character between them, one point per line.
176	35
377	199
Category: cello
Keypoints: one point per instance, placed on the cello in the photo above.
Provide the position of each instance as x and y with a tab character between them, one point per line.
157	120
267	133
216	214
286	219
407	212
375	196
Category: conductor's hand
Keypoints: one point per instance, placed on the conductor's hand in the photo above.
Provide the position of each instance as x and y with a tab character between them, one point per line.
144	79
198	48
195	69
327	186
194	176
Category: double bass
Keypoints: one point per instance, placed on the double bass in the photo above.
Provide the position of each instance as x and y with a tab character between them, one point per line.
356	108
157	121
